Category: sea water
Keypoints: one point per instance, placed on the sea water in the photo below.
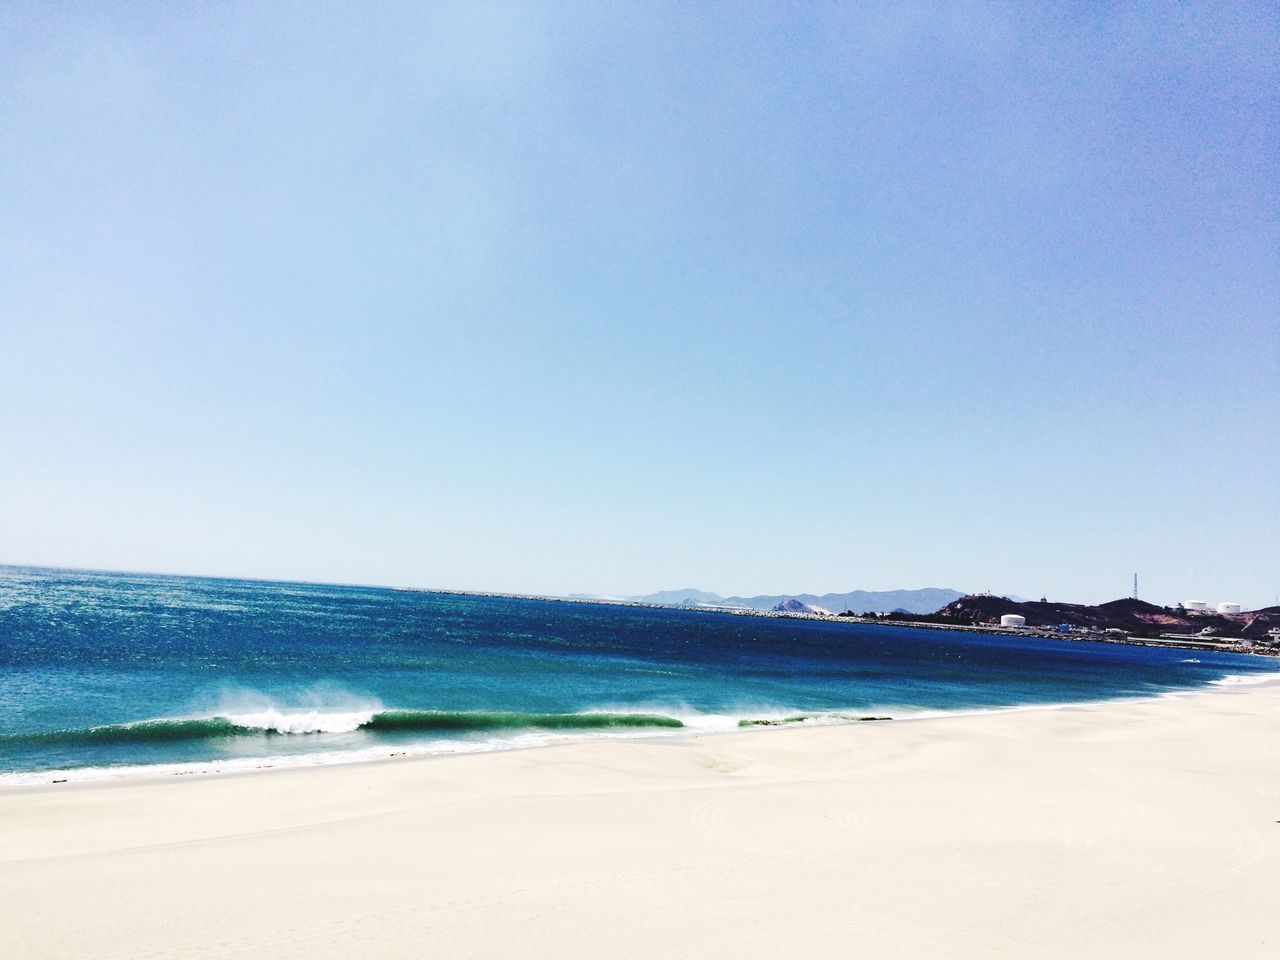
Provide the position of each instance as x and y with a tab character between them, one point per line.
108	674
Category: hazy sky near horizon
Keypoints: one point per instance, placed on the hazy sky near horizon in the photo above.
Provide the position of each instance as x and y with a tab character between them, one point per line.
608	298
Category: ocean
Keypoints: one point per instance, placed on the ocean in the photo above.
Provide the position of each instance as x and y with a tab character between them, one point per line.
111	674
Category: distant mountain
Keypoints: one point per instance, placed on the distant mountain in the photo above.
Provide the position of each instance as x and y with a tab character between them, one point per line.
676	597
925	600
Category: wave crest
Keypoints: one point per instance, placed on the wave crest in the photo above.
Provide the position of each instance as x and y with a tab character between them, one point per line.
308	721
283	723
513	720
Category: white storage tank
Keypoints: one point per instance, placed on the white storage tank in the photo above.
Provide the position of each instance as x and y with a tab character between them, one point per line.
1227	607
1196	605
1013	620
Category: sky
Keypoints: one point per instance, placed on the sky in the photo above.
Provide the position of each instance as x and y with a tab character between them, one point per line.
610	298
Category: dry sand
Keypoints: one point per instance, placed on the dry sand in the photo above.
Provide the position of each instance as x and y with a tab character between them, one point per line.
1143	829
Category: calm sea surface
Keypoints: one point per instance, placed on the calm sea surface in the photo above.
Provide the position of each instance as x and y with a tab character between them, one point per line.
102	672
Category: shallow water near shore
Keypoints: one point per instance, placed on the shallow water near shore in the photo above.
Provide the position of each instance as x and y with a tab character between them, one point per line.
106	674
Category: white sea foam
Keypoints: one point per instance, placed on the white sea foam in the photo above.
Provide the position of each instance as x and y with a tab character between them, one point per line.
435	748
1244	680
303	721
695	721
321	708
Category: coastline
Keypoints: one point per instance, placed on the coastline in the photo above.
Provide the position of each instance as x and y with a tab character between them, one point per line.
1115	828
67	778
1187	642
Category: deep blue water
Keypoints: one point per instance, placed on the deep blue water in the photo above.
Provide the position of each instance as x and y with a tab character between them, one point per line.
108	670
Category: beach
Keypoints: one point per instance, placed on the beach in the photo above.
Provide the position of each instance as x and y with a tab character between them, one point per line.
1117	829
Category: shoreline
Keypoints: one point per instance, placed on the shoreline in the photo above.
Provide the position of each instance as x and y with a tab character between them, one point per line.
1189	642
1106	829
82	777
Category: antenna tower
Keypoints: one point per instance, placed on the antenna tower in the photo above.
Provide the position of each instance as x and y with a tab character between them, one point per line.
1135	586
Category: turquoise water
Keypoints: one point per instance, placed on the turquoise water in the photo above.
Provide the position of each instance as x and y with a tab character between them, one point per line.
103	672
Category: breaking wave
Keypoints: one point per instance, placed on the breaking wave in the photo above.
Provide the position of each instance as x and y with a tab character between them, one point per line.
283	723
1238	680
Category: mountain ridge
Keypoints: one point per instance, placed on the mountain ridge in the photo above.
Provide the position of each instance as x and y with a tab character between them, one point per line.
922	600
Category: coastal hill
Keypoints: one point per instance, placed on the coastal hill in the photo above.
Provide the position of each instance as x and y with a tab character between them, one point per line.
922	601
1132	616
796	606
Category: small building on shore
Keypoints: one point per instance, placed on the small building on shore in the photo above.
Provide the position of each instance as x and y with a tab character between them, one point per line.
1013	620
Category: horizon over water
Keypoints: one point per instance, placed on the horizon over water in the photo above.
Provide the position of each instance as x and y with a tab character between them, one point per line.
107	674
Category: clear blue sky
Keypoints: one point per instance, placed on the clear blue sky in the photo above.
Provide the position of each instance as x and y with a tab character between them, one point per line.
610	298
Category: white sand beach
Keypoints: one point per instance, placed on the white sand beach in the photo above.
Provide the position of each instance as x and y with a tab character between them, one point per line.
1138	829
